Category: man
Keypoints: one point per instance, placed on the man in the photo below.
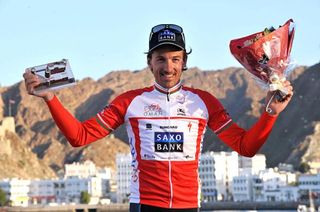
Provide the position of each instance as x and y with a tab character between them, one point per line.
165	123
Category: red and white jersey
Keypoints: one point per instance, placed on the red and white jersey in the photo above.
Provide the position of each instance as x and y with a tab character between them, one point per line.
165	130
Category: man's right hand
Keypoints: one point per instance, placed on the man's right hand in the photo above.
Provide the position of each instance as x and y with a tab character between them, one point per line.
31	81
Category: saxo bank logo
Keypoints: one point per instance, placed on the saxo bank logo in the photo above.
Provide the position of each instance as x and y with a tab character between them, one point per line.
168	141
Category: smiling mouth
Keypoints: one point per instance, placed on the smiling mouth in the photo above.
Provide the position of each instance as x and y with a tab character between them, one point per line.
164	75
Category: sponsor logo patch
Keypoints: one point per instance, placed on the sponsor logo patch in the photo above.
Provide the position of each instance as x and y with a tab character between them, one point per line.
148	126
181	112
168	141
168	127
152	110
167	35
181	99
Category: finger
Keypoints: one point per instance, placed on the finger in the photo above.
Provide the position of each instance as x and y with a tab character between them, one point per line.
288	97
31	81
29	74
27	70
31	87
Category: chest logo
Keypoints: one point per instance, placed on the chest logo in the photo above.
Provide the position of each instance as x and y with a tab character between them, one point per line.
181	112
152	110
168	141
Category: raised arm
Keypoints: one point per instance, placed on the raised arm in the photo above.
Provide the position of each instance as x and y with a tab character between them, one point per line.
248	142
77	133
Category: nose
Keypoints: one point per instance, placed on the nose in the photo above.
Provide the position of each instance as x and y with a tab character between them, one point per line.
168	65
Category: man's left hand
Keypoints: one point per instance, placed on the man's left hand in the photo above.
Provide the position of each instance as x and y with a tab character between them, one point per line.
276	107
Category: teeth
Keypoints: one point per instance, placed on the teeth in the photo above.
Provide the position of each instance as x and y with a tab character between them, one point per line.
167	75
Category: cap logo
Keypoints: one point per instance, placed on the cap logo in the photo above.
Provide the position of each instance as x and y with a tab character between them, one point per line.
166	35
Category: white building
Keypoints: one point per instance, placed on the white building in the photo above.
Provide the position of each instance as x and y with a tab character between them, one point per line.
79	178
74	186
81	170
273	181
247	188
24	192
257	189
17	191
309	183
123	178
242	188
225	167
59	189
289	193
42	192
207	176
86	177
286	167
252	165
268	185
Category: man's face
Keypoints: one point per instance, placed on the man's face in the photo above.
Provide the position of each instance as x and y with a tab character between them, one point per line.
166	65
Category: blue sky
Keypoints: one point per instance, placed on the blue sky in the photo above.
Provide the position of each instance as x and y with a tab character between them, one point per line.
99	36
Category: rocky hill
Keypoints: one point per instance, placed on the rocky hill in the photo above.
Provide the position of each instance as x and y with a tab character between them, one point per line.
17	160
297	129
293	139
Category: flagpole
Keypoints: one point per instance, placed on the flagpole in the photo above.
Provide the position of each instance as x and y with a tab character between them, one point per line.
9	108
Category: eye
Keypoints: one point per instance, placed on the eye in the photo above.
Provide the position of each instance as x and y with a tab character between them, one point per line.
176	60
160	59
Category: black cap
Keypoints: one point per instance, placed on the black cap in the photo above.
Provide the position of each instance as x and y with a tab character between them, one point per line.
166	34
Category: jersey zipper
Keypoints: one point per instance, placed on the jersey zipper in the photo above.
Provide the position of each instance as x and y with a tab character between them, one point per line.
171	186
169	159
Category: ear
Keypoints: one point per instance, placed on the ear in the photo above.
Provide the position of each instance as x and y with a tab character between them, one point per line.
184	64
149	63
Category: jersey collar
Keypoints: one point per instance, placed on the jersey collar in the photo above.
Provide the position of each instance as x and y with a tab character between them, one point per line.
167	90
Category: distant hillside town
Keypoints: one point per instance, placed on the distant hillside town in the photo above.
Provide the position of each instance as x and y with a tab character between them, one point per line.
38	165
225	176
295	135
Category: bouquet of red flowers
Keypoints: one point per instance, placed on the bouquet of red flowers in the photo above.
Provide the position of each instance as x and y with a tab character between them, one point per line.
266	55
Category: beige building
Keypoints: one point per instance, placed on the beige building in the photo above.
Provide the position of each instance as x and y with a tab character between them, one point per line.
7	124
